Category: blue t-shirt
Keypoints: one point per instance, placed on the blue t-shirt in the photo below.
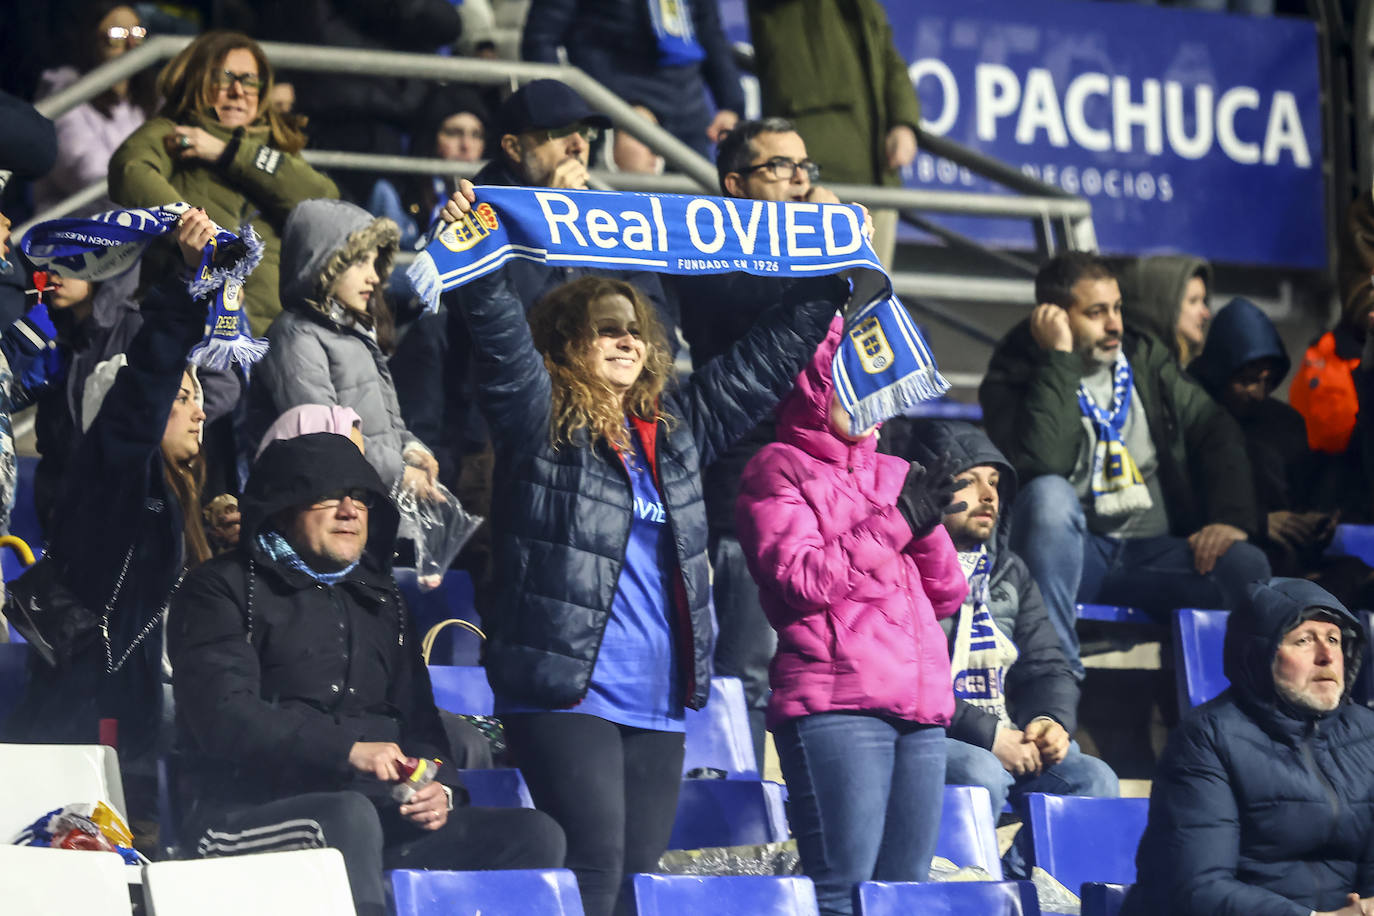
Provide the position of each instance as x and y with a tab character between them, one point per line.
635	681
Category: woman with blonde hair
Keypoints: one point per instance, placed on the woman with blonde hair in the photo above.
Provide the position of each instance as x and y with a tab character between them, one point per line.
217	143
598	624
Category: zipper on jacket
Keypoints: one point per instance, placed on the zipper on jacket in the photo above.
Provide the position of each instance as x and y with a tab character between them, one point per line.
1310	761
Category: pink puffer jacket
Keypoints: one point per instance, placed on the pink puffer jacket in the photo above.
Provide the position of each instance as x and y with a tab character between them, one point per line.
855	600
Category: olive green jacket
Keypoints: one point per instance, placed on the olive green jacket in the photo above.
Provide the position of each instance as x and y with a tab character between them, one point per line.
830	67
251	181
1030	407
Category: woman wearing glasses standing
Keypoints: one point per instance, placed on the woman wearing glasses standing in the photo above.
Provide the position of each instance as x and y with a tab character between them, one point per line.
88	134
217	143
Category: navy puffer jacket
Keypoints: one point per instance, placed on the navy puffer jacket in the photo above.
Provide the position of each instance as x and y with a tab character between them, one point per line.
561	516
1259	808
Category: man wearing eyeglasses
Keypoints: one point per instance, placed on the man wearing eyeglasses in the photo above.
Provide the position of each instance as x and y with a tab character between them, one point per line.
301	693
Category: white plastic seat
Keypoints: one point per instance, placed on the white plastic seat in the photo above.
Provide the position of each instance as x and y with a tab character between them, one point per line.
310	882
39	882
41	777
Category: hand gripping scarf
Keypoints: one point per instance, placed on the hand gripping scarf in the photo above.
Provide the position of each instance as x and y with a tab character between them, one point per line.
1118	488
884	367
107	244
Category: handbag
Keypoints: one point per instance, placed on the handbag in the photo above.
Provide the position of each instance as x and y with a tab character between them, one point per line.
48	615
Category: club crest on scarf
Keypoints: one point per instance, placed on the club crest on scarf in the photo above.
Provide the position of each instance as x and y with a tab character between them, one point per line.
1117	486
888	368
107	244
982	653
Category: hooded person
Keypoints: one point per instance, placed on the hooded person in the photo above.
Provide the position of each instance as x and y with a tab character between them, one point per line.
304	691
1262	802
329	345
1166	297
855	573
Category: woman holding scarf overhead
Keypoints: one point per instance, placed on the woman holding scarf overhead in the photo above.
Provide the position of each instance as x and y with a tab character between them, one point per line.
127	526
855	572
217	143
599	633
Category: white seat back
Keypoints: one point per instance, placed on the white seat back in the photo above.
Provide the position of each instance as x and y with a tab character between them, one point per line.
310	882
40	882
41	777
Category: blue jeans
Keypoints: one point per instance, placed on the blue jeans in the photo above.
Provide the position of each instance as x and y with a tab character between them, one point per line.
864	799
1156	574
746	641
1076	774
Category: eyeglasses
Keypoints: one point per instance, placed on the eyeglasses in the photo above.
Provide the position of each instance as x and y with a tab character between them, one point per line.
361	499
588	132
248	82
780	168
118	35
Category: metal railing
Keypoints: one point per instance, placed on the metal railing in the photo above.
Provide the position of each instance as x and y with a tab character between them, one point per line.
1060	219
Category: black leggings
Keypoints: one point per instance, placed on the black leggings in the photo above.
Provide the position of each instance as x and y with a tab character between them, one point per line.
370	839
612	788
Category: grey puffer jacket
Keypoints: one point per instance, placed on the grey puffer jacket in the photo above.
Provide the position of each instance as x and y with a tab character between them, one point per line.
321	352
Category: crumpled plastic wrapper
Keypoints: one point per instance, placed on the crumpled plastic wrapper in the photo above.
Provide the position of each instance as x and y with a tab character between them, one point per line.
1054	897
84	826
767	859
438	527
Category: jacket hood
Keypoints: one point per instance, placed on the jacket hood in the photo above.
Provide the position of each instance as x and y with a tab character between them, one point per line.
1241	333
320	239
804	414
293	472
1254	631
1152	289
968	447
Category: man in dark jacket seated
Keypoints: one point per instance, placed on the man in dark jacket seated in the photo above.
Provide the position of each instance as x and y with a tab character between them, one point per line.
301	693
1015	699
1263	803
1136	488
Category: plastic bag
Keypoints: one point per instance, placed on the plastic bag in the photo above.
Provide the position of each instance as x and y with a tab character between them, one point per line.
86	826
438	527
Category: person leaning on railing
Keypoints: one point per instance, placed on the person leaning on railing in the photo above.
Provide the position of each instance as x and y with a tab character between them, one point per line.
217	143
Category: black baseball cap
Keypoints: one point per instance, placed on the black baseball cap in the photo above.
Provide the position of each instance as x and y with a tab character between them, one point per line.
545	104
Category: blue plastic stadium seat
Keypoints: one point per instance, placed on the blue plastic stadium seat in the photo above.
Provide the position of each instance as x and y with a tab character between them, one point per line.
726	812
1112	613
548	892
453	598
968	834
1353	541
497	788
1198	665
1103	899
1078	840
13	661
953	898
718	736
462	689
729	895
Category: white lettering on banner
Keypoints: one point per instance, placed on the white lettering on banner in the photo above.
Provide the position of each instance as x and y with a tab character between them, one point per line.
1152	110
598	222
638	237
567	218
794	249
657	209
828	225
717	224
746	236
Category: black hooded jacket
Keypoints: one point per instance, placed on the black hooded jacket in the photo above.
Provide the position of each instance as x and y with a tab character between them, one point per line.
1040	683
1259	808
277	675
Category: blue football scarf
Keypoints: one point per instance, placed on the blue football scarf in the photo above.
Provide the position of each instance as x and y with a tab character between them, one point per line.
107	244
1117	487
982	653
884	366
672	24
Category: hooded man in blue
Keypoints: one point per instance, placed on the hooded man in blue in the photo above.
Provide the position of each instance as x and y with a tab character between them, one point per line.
1242	364
1263	804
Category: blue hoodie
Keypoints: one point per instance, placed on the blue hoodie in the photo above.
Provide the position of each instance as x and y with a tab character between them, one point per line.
1259	807
1241	333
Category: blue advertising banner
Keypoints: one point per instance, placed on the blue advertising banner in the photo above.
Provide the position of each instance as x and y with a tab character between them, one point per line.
1187	131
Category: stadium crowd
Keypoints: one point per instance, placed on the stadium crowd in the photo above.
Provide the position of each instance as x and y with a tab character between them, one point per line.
219	545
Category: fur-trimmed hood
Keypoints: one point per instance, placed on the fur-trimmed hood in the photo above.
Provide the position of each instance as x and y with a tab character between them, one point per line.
322	237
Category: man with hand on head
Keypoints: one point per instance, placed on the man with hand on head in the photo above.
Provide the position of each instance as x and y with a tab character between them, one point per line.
1263	803
302	700
1136	484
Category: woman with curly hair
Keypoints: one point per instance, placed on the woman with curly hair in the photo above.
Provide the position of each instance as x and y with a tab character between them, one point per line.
599	632
217	143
